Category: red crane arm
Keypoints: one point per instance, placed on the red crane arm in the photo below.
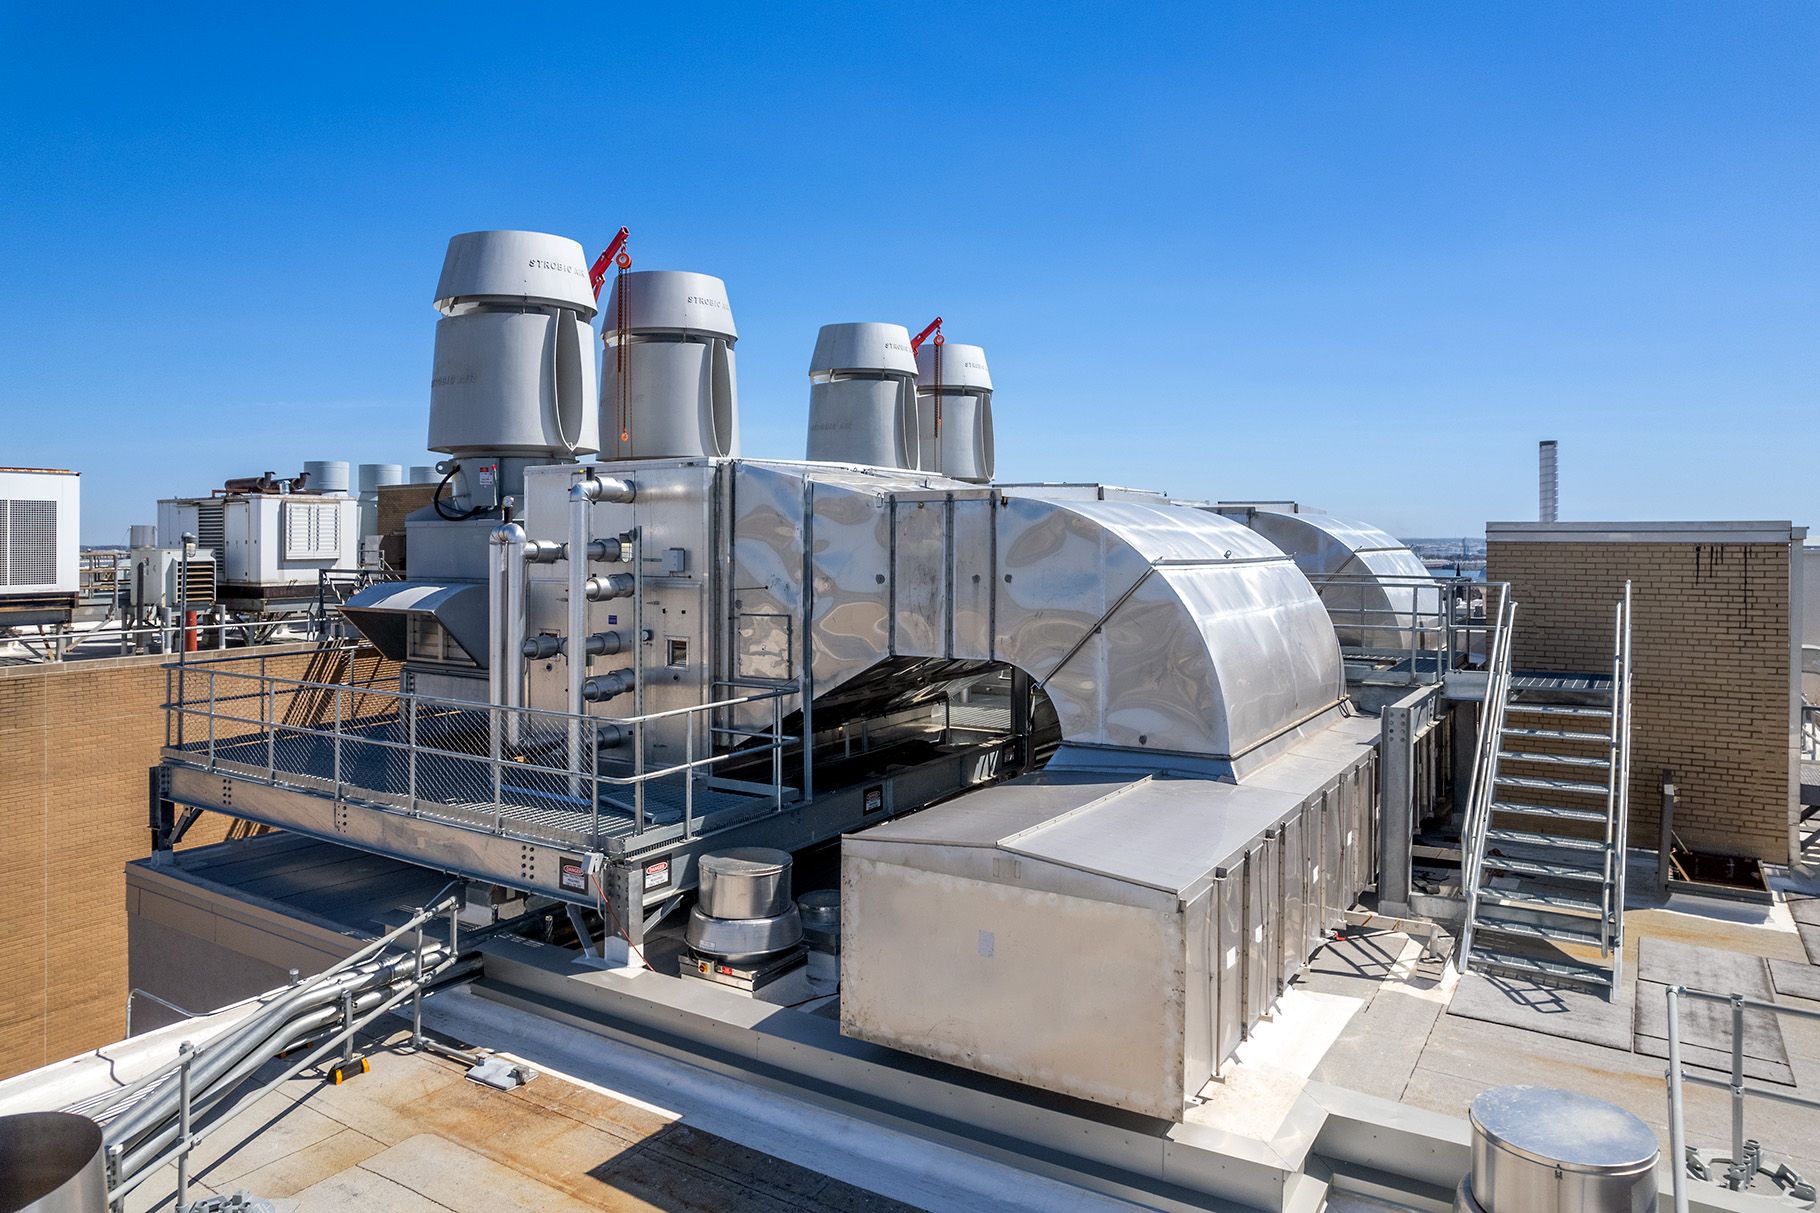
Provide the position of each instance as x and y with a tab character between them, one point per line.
598	274
916	342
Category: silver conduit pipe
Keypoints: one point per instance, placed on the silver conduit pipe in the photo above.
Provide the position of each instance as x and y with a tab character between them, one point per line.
150	1127
505	614
366	969
582	496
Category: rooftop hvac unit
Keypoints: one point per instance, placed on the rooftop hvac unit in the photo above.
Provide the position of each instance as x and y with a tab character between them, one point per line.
862	396
159	578
667	385
954	391
40	523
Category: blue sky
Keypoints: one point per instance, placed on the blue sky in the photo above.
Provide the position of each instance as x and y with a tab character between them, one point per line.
1363	255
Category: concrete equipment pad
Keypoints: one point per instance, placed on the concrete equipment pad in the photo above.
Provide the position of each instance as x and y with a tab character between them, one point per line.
1810	941
1569	1014
1804	909
1795	980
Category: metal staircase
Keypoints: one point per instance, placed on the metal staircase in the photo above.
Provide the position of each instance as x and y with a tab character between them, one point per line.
1545	833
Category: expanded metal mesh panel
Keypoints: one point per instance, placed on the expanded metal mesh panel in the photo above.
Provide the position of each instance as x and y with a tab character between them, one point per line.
28	542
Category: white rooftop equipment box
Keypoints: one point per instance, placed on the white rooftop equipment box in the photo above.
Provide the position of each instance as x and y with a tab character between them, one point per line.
40	531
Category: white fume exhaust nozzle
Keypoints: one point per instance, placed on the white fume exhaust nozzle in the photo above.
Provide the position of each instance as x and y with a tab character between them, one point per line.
667	384
326	476
513	382
952	382
1549	488
373	477
423	474
862	396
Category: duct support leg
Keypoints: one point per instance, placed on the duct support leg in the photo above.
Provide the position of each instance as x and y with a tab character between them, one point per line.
1397	796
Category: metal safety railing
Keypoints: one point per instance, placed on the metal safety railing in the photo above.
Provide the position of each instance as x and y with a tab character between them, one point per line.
1485	765
517	771
153	1122
1617	820
1430	625
1746	1154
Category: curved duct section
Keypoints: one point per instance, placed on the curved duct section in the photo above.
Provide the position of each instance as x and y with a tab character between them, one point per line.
954	411
862	396
667	383
1370	582
1154	631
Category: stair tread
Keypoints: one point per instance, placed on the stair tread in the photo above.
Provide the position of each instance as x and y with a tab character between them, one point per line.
1528	838
1545	784
1555	812
1558	709
1535	930
1556	735
1560	970
1552	899
1544	869
1560	760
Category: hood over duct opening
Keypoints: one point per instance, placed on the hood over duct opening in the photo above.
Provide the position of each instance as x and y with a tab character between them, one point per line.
862	396
668	389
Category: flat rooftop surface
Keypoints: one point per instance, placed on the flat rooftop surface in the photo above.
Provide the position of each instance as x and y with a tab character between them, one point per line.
416	1136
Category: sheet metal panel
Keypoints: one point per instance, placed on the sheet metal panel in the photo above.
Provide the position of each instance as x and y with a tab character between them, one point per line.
1230	971
1292	930
919	577
974	559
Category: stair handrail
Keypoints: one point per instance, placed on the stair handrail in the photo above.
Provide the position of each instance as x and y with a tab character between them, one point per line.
1491	728
1620	767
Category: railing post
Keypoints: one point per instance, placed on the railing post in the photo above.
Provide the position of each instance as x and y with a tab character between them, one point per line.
594	787
638	770
417	992
688	777
347	1029
1677	1125
410	754
1738	1081
268	694
777	751
185	1052
211	719
336	735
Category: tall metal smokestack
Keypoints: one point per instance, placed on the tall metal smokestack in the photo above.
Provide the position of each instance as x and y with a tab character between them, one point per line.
1549	489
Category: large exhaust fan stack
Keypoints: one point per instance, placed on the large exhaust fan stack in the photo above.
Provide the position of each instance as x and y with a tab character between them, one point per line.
862	396
513	382
668	389
952	380
1549	487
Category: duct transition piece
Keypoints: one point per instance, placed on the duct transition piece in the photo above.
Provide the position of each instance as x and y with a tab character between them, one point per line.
514	371
667	384
952	379
862	396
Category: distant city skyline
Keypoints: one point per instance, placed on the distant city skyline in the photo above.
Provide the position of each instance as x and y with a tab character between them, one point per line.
1360	257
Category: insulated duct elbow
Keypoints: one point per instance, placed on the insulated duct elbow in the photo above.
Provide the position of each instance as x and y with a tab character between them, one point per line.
602	488
608	686
613	585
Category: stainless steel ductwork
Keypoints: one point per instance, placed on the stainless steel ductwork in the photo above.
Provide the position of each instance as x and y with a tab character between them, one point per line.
1371	583
954	411
668	388
1153	630
862	396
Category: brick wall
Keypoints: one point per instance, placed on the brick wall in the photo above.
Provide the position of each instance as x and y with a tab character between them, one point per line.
76	742
1711	684
399	501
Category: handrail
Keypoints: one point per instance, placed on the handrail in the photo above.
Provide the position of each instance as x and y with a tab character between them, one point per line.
245	702
1621	708
1491	726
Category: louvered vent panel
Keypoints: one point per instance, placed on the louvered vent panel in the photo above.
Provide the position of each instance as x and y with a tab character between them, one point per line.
30	544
